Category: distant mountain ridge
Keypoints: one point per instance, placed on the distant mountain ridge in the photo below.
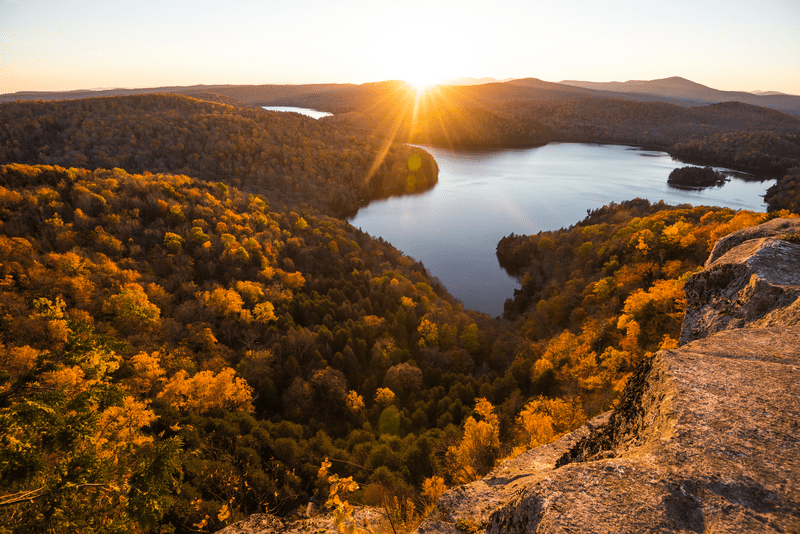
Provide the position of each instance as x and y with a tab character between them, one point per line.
467	80
769	93
688	92
674	90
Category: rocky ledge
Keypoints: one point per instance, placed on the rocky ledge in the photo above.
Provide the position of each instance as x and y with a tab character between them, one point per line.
706	437
365	518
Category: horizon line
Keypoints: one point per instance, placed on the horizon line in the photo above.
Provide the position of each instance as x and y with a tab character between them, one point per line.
458	81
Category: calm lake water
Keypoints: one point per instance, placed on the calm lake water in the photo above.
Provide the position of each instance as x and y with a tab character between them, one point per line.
313	113
482	196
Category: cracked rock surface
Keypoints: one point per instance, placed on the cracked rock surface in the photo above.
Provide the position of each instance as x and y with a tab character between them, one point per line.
754	284
710	443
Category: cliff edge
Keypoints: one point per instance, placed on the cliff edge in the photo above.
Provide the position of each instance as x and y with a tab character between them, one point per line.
706	437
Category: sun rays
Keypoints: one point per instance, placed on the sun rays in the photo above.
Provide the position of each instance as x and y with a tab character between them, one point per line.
423	113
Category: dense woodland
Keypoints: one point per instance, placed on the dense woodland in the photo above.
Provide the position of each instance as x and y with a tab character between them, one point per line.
288	157
187	332
695	177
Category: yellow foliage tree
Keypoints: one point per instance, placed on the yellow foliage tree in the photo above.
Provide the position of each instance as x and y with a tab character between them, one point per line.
543	419
147	373
572	359
647	314
265	312
384	396
476	454
251	292
132	307
53	319
223	301
616	365
355	402
17	360
294	281
121	426
206	391
173	242
428	334
432	489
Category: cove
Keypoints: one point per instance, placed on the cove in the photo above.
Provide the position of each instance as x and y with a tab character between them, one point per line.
454	228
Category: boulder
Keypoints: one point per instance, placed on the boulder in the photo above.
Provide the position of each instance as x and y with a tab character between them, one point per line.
756	283
773	228
706	441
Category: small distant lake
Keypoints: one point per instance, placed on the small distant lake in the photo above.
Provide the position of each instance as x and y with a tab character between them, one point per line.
313	113
482	196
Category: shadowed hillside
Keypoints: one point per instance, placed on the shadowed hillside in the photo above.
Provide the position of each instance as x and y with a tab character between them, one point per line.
531	112
290	158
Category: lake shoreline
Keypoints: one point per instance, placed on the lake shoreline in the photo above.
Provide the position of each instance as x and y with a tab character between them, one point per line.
760	173
523	191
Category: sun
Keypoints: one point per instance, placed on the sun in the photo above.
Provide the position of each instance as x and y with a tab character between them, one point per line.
424	80
421	72
419	60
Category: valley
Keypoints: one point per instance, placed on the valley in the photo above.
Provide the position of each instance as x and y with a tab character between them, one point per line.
181	292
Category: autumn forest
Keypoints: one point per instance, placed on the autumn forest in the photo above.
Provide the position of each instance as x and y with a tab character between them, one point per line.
190	330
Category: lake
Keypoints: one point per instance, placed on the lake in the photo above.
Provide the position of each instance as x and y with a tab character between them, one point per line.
313	113
482	196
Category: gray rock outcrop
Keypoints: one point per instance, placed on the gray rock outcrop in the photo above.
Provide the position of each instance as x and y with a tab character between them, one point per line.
773	228
706	437
746	282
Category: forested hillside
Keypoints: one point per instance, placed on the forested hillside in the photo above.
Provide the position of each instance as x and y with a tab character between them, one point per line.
518	113
444	116
260	339
288	157
187	333
609	290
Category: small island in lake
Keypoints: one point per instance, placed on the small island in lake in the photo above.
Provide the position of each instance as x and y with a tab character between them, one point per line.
695	177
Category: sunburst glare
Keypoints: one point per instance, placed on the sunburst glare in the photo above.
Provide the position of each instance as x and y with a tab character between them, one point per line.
425	114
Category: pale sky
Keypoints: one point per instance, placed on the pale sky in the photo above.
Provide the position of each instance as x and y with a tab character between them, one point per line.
736	45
